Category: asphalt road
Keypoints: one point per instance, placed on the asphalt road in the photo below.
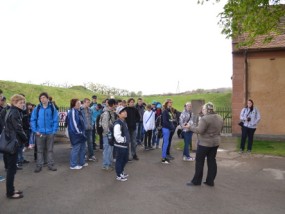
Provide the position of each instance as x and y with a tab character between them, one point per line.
244	184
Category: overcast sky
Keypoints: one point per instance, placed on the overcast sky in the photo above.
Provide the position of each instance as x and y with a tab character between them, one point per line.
138	45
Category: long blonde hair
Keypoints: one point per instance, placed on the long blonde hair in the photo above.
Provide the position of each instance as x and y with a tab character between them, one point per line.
16	98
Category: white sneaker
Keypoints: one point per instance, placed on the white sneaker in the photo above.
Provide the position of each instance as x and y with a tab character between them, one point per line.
86	164
124	175
76	167
93	158
188	159
120	178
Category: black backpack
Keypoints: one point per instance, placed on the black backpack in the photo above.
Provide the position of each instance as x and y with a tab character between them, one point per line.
99	128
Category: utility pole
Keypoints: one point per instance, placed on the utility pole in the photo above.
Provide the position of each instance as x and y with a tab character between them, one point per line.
178	88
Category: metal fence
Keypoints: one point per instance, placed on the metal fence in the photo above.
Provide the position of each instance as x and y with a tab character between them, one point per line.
226	114
62	113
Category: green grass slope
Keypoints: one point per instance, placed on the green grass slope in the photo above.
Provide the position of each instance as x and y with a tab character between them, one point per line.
219	99
62	96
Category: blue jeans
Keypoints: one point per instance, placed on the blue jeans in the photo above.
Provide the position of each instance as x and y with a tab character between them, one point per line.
187	143
155	138
88	134
166	134
140	132
77	155
20	153
121	159
107	152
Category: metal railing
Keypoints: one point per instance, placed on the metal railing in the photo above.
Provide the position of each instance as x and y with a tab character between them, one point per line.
226	114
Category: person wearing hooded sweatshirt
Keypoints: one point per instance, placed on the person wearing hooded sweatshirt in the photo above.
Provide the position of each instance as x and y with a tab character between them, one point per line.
209	130
44	122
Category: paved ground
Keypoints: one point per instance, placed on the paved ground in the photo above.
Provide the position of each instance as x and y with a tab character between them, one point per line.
244	184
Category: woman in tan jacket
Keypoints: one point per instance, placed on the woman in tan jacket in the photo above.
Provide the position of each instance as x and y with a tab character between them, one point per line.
209	130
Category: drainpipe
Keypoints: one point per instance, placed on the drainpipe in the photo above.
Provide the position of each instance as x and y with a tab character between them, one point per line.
245	78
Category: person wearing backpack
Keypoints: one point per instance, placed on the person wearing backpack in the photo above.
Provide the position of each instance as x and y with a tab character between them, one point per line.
87	115
44	122
122	140
96	113
107	119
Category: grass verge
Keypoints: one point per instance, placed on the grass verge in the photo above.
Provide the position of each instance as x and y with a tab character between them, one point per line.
276	148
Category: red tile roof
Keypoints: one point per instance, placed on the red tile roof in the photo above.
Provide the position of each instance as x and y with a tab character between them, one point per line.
278	41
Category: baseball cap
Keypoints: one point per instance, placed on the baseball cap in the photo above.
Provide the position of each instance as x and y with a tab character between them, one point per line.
119	109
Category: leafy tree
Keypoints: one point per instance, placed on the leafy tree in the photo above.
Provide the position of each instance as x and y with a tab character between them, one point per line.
251	18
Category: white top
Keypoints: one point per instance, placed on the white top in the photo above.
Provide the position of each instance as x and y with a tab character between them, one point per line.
149	120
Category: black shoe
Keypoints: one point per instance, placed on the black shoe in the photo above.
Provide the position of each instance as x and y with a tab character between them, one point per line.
38	169
52	168
135	157
19	168
211	185
170	157
25	161
15	196
191	184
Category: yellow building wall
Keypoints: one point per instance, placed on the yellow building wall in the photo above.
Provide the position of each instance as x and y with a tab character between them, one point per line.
266	87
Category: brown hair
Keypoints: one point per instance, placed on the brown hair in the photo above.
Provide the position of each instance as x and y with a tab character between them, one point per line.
16	98
86	99
166	103
148	106
73	102
131	99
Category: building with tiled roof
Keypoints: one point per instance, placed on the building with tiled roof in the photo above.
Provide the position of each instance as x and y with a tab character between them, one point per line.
259	74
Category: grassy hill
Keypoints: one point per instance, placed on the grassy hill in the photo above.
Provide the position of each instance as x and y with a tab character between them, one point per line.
62	96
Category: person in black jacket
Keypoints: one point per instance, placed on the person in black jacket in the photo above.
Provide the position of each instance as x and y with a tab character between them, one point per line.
14	126
132	120
167	129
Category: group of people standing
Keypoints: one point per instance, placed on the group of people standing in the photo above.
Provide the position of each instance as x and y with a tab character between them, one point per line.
123	126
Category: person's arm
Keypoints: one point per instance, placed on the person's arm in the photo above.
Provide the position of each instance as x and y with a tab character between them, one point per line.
256	117
33	121
74	119
182	119
200	129
55	121
243	115
118	134
18	128
105	121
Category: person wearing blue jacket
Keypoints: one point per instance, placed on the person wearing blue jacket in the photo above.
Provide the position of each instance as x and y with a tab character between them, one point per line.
76	131
44	123
167	128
